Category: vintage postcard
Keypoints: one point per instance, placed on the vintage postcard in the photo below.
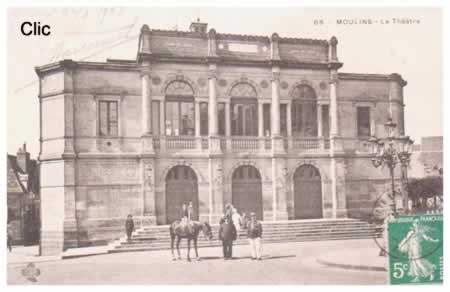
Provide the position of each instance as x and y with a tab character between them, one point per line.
224	145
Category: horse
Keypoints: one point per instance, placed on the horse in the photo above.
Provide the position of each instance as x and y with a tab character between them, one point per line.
190	231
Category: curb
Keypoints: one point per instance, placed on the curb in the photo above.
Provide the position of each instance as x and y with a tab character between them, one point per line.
351	267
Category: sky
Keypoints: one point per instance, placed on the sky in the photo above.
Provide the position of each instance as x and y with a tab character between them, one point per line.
412	49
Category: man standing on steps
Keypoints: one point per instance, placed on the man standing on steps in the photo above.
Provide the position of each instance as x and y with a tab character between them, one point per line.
254	234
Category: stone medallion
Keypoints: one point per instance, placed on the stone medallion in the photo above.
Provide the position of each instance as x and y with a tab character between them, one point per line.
264	84
284	85
323	85
156	80
222	82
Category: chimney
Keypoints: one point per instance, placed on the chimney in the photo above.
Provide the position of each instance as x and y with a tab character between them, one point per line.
23	157
198	26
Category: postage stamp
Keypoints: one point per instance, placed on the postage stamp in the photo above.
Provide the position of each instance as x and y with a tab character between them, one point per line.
415	249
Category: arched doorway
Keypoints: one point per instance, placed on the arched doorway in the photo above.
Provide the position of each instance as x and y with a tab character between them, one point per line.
181	188
247	191
307	193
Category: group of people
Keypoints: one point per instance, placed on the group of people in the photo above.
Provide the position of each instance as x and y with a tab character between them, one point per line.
230	226
229	230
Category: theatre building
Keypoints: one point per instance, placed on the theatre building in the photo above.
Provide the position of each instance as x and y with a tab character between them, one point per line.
267	123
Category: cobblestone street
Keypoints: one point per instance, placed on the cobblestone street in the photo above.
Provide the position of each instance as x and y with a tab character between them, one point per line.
283	263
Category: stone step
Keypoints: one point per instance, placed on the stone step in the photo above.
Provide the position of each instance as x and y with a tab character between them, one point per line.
244	239
167	247
266	232
280	229
276	226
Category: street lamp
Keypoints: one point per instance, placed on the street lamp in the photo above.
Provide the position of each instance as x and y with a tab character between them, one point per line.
390	151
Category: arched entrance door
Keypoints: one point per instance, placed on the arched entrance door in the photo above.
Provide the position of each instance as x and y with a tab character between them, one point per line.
181	188
307	193
247	191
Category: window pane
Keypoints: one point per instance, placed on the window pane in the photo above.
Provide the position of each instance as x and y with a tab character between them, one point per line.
304	119
103	118
266	119
221	117
363	120
113	119
187	126
244	118
155	117
204	118
171	118
325	121
283	119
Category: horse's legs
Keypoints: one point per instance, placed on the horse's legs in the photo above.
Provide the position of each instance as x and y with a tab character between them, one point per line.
195	247
188	249
178	247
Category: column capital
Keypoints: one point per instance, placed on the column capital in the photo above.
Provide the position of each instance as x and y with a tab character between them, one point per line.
212	74
275	76
145	72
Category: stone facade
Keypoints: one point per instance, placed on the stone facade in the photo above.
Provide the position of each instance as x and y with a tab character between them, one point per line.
91	181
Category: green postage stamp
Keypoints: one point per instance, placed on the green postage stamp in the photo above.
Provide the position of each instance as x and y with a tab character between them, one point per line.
415	248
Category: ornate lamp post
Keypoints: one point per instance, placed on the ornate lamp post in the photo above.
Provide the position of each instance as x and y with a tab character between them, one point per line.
390	151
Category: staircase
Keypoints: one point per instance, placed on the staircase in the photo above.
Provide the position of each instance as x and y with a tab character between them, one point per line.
158	237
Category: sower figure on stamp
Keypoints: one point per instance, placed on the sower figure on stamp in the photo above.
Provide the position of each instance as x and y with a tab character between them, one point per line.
129	227
254	234
227	233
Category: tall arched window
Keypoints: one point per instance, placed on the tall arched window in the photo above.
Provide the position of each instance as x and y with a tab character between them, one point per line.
180	110
304	111
244	110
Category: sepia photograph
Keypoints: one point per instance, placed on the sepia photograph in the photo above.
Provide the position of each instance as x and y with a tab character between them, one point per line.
224	145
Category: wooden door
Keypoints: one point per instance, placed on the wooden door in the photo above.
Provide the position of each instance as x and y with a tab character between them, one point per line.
308	193
181	188
247	191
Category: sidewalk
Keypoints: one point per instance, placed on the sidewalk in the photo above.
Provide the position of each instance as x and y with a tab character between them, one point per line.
28	254
361	258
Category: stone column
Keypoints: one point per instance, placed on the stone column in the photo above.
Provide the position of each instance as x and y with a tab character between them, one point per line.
214	139
162	125
289	119
197	125
277	140
228	125
275	106
260	119
146	104
320	127
289	124
147	141
261	135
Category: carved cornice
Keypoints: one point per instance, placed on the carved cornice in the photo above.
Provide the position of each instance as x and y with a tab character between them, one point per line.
372	77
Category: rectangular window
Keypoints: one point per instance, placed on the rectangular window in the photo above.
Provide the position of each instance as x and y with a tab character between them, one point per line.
325	121
266	119
283	119
363	121
155	117
221	116
204	119
108	118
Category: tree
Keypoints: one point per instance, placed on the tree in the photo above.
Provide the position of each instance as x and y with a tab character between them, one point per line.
421	189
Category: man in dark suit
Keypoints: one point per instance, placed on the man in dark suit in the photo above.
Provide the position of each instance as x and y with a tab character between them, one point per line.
227	233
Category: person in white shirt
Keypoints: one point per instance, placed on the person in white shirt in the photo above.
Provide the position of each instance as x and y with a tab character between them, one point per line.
236	218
